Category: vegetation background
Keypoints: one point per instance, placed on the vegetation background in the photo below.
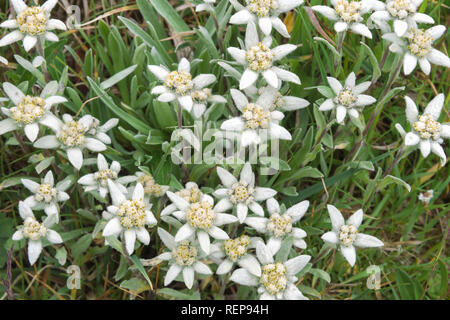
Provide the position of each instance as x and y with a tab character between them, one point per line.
414	262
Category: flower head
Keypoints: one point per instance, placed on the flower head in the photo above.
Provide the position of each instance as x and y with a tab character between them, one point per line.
242	193
345	234
280	224
184	258
277	279
427	132
402	13
257	122
180	85
151	188
348	14
31	23
426	196
128	217
34	231
201	219
348	97
46	195
29	111
417	46
72	136
258	58
265	13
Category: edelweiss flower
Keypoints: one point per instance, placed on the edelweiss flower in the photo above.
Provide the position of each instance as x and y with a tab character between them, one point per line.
403	13
179	85
206	5
99	132
416	45
31	23
348	99
228	252
346	235
202	219
201	98
265	13
258	58
30	111
128	218
348	15
72	136
257	122
151	188
35	231
183	258
242	194
99	180
280	225
46	195
191	193
277	280
427	132
426	197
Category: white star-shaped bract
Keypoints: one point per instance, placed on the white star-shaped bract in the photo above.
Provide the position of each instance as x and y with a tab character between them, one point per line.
201	220
348	97
191	193
34	232
72	137
427	132
184	258
205	5
128	218
402	13
345	234
242	194
349	15
46	195
277	280
257	122
279	225
179	85
265	13
416	46
30	111
31	23
98	181
257	58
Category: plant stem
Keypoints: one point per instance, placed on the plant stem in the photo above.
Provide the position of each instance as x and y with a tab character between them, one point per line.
376	112
21	143
341	37
40	49
396	160
382	62
219	34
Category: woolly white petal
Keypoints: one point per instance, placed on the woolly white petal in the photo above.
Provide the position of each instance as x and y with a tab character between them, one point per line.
411	139
412	112
330	237
349	254
361	29
434	107
425	147
248	78
172	273
34	250
112	228
243	277
241	17
295	265
184	232
337	220
366	241
438	58
409	63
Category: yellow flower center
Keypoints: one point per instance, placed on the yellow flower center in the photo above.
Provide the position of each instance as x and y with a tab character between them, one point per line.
273	277
201	215
346	98
28	110
32	21
181	82
259	57
201	95
241	192
72	134
33	230
262	7
279	225
420	42
255	116
347	234
400	8
45	193
184	254
236	248
132	214
191	195
349	11
104	175
427	127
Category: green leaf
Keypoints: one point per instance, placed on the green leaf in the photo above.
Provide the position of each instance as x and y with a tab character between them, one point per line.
166	10
179	294
374	61
81	246
320	274
136	285
141	269
329	45
117	77
286	245
391	179
115	243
